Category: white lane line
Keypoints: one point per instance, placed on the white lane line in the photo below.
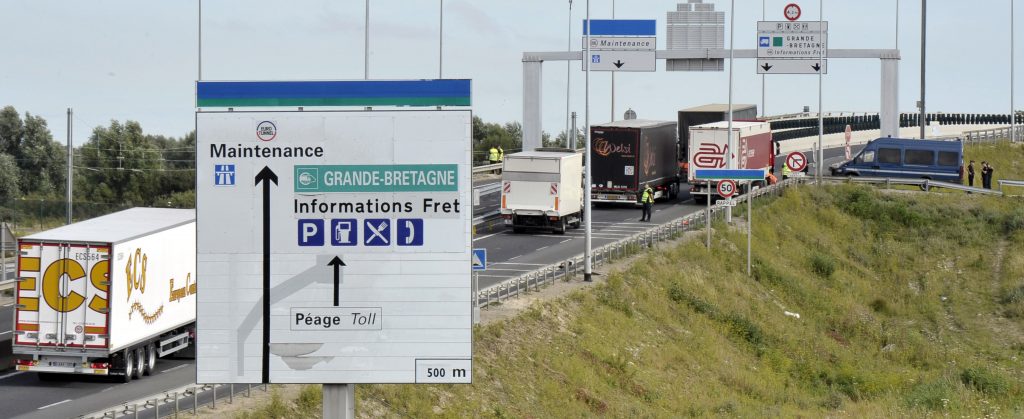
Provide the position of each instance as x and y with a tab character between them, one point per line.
53	404
540	248
489	235
510	270
174	368
10	375
566	240
8	305
551	236
514	257
4	333
108	389
515	263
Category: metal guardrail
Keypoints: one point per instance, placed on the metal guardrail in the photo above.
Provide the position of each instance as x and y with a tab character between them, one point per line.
994	134
177	401
533	280
924	184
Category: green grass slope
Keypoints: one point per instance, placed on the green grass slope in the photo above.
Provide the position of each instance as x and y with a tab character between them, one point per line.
910	305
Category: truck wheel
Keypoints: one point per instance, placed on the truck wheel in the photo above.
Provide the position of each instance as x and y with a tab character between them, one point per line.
150	359
140	363
560	228
129	366
518	230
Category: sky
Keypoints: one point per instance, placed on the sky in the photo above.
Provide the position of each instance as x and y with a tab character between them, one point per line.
139	60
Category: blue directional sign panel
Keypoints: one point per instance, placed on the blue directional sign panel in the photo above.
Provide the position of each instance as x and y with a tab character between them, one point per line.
311	232
479	259
410	232
734	174
621	27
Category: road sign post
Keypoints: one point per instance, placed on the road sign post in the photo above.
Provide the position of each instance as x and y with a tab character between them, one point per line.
796	161
729	177
363	233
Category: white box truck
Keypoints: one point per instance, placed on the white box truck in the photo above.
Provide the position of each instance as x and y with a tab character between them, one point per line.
107	296
709	149
542	189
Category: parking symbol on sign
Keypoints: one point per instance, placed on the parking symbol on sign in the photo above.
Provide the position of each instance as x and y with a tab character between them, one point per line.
376	232
311	232
223	175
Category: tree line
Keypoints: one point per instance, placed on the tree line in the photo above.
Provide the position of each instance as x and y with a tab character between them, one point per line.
121	166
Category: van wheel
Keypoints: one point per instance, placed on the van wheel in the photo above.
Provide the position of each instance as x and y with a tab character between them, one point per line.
128	357
150	359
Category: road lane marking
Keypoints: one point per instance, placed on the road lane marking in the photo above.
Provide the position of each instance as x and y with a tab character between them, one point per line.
174	368
10	375
4	333
8	305
510	270
540	248
566	240
53	404
514	257
515	263
489	235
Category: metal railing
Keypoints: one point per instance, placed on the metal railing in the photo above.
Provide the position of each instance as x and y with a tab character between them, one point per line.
183	400
990	135
626	247
924	184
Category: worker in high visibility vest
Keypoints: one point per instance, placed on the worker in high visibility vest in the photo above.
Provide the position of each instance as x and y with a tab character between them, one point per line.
785	171
647	199
492	155
501	154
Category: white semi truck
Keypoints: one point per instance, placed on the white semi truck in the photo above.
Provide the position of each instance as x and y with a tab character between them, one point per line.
542	189
107	296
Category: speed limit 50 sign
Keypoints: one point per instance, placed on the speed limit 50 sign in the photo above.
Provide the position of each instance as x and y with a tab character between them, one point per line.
726	188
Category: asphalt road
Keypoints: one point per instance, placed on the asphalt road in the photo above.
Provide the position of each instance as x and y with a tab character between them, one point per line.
24	395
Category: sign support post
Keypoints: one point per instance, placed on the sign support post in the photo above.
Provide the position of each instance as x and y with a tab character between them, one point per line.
750	220
339	401
707	217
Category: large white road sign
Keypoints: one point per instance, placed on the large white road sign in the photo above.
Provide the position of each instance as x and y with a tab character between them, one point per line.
357	224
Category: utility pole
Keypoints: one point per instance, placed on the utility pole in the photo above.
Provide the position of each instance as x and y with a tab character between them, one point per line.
587	256
71	159
924	26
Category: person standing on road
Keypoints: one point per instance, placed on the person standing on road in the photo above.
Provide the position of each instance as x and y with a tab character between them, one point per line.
492	155
785	171
986	175
771	179
970	173
501	154
647	199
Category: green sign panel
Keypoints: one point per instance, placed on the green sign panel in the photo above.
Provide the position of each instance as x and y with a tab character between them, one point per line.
377	178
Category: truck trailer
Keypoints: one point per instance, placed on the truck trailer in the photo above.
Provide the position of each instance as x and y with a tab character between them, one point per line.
542	189
707	114
626	155
709	149
107	296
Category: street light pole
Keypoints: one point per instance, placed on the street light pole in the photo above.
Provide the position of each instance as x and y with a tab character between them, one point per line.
731	149
440	42
1013	113
366	43
613	73
71	159
568	79
587	256
924	21
819	156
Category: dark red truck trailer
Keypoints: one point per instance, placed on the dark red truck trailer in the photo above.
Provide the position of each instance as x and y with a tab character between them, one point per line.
628	154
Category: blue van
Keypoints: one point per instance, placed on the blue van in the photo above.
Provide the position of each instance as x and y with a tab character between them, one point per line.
897	157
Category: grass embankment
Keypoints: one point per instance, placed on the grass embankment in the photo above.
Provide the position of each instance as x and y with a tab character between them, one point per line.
908	306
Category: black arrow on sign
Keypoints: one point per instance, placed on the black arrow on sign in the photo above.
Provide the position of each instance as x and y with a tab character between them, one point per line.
618	64
337	263
766	67
816	66
266	176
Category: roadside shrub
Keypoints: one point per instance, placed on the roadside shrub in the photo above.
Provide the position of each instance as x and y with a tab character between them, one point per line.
823	265
932	395
984	381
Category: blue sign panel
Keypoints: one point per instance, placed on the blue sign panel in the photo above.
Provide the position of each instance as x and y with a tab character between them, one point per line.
376	232
345	232
311	232
479	259
410	232
734	174
621	27
224	175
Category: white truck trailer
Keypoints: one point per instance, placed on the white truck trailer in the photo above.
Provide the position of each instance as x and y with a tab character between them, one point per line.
709	149
107	296
542	189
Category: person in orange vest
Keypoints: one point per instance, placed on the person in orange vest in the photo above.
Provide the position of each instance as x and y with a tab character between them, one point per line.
771	179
